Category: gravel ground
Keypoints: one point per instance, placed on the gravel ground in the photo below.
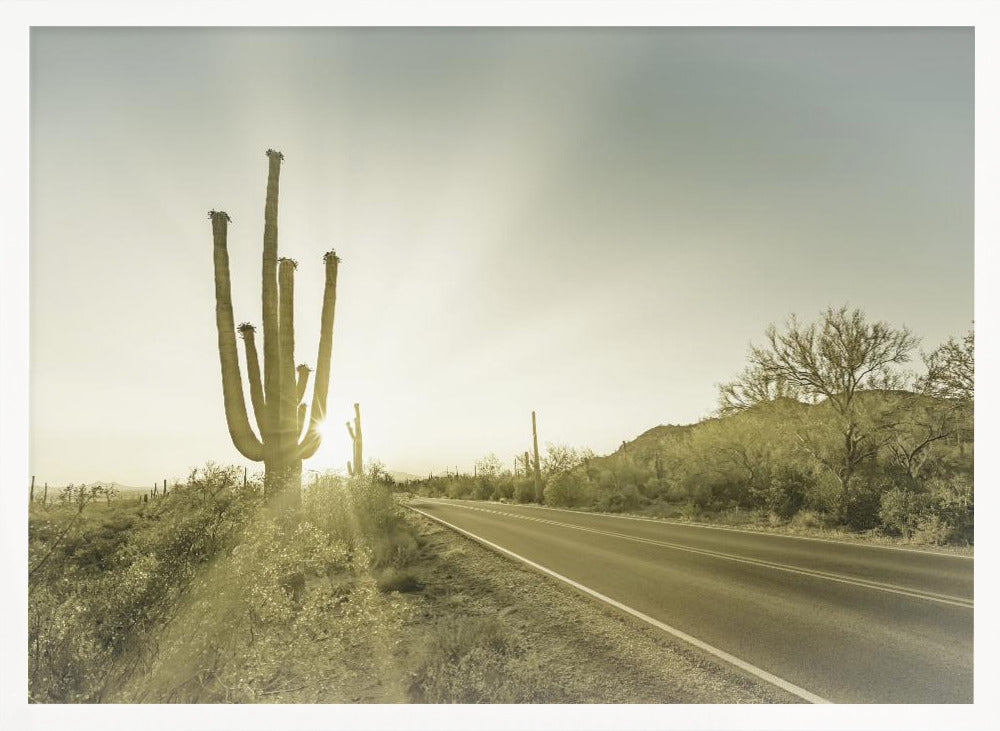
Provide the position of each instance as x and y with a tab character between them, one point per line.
583	650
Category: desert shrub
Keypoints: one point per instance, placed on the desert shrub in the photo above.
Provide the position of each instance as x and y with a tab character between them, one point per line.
399	580
860	511
293	610
942	512
474	660
689	511
676	493
809	519
823	495
953	502
208	594
97	587
524	490
362	514
482	489
788	490
625	498
567	490
654	489
900	510
504	488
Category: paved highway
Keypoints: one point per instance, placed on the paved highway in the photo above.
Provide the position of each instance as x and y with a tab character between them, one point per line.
832	621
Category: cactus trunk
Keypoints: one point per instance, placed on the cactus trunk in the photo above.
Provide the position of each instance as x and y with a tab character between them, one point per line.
276	399
356	466
359	464
537	466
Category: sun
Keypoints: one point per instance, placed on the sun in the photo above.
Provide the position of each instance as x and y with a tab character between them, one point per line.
334	449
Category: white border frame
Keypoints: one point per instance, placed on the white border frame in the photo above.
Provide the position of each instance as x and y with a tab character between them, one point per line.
17	16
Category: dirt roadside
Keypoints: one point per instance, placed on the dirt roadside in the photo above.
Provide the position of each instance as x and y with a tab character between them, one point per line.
484	628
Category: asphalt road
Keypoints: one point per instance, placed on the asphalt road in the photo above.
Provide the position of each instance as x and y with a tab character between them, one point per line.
848	623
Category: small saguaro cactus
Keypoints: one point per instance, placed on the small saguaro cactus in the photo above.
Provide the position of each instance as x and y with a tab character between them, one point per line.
279	411
356	465
537	466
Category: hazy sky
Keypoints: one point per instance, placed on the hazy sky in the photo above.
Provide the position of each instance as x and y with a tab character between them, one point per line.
590	223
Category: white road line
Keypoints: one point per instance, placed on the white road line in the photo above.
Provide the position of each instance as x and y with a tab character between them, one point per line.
814	573
721	654
686	524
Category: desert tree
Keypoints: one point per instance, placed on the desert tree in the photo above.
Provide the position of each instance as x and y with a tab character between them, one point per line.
835	361
563	458
950	377
915	425
951	370
754	385
279	412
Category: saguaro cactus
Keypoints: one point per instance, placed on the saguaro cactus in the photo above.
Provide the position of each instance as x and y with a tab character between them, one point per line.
279	411
356	466
537	467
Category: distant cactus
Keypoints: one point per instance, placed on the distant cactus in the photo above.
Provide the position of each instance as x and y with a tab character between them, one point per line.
539	496
278	409
356	465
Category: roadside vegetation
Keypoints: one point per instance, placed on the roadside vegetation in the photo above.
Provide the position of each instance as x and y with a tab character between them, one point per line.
824	430
193	597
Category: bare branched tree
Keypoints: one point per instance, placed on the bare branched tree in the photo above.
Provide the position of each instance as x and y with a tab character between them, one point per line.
753	386
951	370
834	360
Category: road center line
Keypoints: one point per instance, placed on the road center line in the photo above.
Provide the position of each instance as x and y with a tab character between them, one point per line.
814	573
721	654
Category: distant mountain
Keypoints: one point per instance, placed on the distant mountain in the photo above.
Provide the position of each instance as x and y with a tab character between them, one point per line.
666	438
404	476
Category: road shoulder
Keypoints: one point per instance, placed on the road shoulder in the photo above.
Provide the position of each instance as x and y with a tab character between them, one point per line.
569	648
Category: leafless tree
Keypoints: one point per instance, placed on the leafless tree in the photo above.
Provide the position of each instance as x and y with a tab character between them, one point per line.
835	360
951	370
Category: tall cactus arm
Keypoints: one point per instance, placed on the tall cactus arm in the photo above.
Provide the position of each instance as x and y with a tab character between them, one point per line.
253	375
300	389
269	293
303	371
245	441
350	430
286	341
310	443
